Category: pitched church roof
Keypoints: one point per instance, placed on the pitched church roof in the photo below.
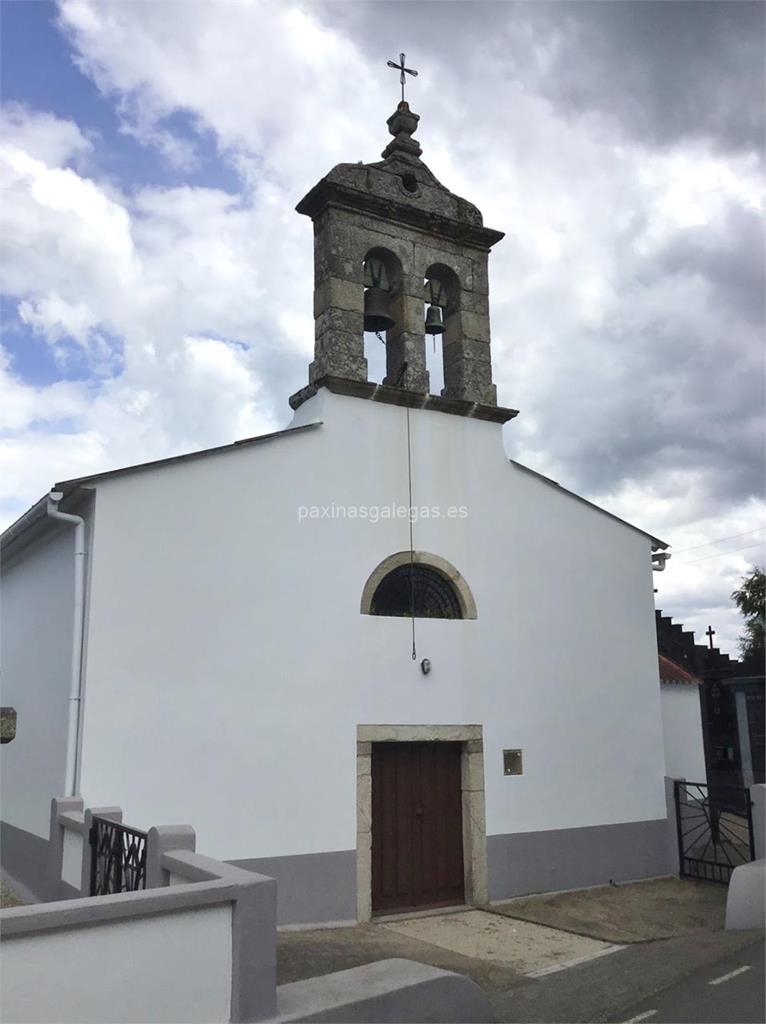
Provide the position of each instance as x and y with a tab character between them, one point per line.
672	672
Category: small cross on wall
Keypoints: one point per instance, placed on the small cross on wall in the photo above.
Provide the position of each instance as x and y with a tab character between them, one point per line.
403	71
710	633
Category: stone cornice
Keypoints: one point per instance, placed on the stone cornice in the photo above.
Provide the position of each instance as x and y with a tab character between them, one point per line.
400	396
330	193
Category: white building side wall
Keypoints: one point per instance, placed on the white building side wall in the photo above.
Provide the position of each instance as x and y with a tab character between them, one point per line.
682	732
228	659
167	967
36	595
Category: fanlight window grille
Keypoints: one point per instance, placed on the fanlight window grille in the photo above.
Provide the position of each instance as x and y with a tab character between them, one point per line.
416	586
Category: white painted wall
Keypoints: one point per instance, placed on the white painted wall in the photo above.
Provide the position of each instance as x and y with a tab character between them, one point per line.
165	967
36	593
682	732
229	666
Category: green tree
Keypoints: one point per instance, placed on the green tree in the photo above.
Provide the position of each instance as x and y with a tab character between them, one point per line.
751	601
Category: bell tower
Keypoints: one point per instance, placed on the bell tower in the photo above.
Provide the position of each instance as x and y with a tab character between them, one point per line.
389	240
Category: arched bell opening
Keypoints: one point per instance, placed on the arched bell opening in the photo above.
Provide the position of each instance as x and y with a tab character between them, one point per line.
382	276
441	295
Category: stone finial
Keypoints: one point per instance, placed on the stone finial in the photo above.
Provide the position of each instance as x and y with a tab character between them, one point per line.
403	124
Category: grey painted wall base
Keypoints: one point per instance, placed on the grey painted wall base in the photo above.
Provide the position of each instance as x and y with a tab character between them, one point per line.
310	886
317	887
389	990
25	858
572	858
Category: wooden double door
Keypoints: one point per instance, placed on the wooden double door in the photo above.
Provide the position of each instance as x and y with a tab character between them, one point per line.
417	826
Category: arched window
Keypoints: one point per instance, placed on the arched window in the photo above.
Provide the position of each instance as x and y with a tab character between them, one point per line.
419	586
417	580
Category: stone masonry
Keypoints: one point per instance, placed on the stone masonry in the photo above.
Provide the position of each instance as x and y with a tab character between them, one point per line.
421	229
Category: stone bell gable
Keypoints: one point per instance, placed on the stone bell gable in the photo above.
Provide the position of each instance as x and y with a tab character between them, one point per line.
428	244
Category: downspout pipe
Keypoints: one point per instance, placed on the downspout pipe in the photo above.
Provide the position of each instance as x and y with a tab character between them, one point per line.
75	687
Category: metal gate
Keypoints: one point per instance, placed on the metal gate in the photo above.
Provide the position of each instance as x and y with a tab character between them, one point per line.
117	857
715	830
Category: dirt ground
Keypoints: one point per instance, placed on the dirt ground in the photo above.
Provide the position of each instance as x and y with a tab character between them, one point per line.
633	912
526	947
307	954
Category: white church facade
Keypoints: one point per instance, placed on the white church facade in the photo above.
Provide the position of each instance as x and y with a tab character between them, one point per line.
380	710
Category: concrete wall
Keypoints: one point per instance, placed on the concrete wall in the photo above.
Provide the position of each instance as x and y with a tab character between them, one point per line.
167	967
682	732
198	944
203	949
36	591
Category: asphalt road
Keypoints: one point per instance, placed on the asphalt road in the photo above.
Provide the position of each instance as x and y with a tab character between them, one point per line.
730	991
634	980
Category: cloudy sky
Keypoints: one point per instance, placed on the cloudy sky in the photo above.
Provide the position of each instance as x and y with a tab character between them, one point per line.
157	282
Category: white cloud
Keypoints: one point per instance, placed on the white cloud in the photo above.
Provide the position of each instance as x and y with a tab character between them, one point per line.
43	136
133	281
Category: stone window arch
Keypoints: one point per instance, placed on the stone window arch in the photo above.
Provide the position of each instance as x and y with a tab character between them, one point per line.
440	590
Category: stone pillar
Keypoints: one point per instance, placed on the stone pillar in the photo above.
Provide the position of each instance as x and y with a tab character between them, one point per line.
363	831
758	811
466	345
338	303
406	342
162	839
59	805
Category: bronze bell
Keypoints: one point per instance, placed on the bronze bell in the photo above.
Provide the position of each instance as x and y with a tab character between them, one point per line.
434	321
376	315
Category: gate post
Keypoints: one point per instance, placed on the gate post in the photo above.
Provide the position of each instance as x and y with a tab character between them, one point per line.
162	839
114	814
59	805
758	810
674	853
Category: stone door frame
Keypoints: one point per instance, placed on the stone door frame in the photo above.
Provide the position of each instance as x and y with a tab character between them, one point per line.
472	790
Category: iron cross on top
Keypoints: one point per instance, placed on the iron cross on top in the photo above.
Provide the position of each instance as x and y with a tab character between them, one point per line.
403	71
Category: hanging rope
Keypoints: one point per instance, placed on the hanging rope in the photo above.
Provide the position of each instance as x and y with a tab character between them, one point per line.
409	517
412	544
